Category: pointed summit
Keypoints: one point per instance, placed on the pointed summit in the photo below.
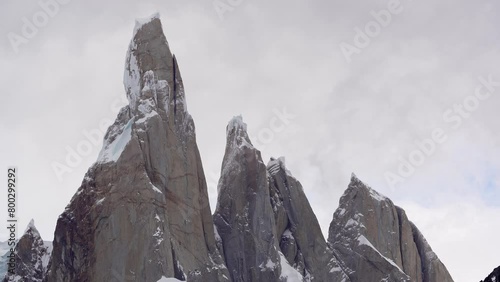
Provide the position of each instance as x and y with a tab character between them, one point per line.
142	211
267	228
236	133
356	185
31	256
152	79
31	225
139	23
376	241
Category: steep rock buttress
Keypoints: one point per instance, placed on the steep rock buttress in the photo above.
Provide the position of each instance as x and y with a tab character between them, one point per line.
376	241
267	229
142	210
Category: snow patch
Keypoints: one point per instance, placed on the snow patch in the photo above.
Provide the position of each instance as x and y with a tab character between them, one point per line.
112	152
341	211
236	123
139	23
158	235
289	273
363	241
275	165
376	195
31	225
165	279
131	75
269	265
287	234
217	235
155	188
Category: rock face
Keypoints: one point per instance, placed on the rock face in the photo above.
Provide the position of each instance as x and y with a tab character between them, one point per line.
243	215
32	256
299	233
376	241
494	276
267	228
142	210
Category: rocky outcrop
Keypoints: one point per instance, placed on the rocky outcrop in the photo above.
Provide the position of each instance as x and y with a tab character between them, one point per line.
376	241
142	210
298	231
267	228
494	276
31	257
243	216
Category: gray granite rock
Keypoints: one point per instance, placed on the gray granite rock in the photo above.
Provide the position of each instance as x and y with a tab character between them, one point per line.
31	257
298	229
244	216
267	227
142	210
376	241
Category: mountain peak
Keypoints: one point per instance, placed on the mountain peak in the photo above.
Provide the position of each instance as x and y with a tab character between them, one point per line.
236	124
31	226
152	79
236	133
31	256
149	165
357	185
368	225
139	23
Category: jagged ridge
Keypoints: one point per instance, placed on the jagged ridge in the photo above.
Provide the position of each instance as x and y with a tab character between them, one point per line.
142	213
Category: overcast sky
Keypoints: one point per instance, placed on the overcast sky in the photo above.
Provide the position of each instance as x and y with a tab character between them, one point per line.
309	85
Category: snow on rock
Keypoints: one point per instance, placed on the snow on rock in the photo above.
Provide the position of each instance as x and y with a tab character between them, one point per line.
374	194
31	255
111	151
236	123
139	23
132	75
275	165
289	273
155	188
165	279
217	235
237	135
363	241
268	265
31	225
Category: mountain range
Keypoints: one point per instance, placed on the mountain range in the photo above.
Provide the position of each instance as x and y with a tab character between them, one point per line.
142	211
